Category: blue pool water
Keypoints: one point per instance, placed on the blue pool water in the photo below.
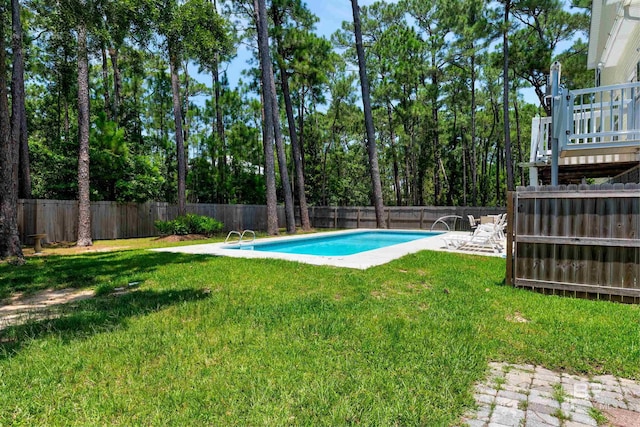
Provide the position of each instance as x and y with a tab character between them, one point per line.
339	245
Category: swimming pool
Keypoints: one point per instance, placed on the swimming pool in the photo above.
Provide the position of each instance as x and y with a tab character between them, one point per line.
384	246
336	245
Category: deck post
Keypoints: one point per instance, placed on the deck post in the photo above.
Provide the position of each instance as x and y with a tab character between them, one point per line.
533	176
556	114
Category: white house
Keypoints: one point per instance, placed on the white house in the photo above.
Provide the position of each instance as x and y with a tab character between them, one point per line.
595	132
614	41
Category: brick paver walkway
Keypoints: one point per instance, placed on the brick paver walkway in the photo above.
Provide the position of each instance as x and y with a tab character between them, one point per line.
532	396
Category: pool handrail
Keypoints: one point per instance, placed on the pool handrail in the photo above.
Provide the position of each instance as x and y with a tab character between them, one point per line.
240	236
443	219
233	233
253	235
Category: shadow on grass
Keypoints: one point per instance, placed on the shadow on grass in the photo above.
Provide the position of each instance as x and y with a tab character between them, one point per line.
101	314
86	270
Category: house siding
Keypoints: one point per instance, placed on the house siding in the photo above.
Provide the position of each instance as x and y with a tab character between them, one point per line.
626	68
607	18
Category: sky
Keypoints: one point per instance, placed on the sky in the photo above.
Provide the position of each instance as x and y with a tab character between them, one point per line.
331	14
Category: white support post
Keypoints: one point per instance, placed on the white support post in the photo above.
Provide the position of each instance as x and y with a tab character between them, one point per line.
533	176
557	119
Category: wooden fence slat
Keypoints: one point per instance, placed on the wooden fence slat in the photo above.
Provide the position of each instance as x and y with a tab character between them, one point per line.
581	194
536	284
580	239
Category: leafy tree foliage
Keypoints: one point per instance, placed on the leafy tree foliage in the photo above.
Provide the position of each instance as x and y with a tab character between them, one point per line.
436	74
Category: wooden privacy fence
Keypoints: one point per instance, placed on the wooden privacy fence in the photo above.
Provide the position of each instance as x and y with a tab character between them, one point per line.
111	220
408	217
578	240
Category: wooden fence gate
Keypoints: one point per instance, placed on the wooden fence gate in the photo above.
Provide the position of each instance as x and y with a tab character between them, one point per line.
578	240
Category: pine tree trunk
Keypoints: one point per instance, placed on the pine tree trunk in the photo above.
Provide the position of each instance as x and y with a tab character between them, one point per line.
185	106
394	156
84	205
465	156
474	156
105	83
267	127
301	124
289	210
519	154
67	119
219	130
437	183
484	178
19	134
368	119
117	83
498	157
505	102
66	92
295	150
9	238
179	134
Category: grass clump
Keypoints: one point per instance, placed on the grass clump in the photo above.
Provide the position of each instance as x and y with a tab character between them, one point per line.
220	341
558	393
561	416
598	416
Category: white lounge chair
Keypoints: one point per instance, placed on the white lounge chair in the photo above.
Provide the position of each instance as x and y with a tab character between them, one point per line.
497	227
483	239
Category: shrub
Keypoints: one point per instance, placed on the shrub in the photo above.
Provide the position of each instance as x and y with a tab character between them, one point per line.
190	224
164	227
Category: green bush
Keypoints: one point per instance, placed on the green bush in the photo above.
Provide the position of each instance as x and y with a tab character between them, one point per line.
164	227
190	224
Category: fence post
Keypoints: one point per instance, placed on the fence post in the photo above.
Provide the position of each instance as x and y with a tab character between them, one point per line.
510	229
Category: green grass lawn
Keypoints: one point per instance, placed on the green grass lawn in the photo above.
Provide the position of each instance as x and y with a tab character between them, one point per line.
221	341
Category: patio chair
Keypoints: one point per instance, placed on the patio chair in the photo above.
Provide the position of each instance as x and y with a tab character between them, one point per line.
472	222
498	227
482	239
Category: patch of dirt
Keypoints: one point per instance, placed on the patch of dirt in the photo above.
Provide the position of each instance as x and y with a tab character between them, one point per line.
181	238
378	294
517	317
68	248
60	245
19	308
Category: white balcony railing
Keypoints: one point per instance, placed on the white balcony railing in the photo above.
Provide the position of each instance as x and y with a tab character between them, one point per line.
606	117
540	140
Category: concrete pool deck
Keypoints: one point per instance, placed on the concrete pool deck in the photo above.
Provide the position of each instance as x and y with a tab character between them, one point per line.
360	261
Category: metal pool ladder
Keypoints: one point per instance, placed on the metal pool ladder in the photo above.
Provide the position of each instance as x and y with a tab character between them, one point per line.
240	237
